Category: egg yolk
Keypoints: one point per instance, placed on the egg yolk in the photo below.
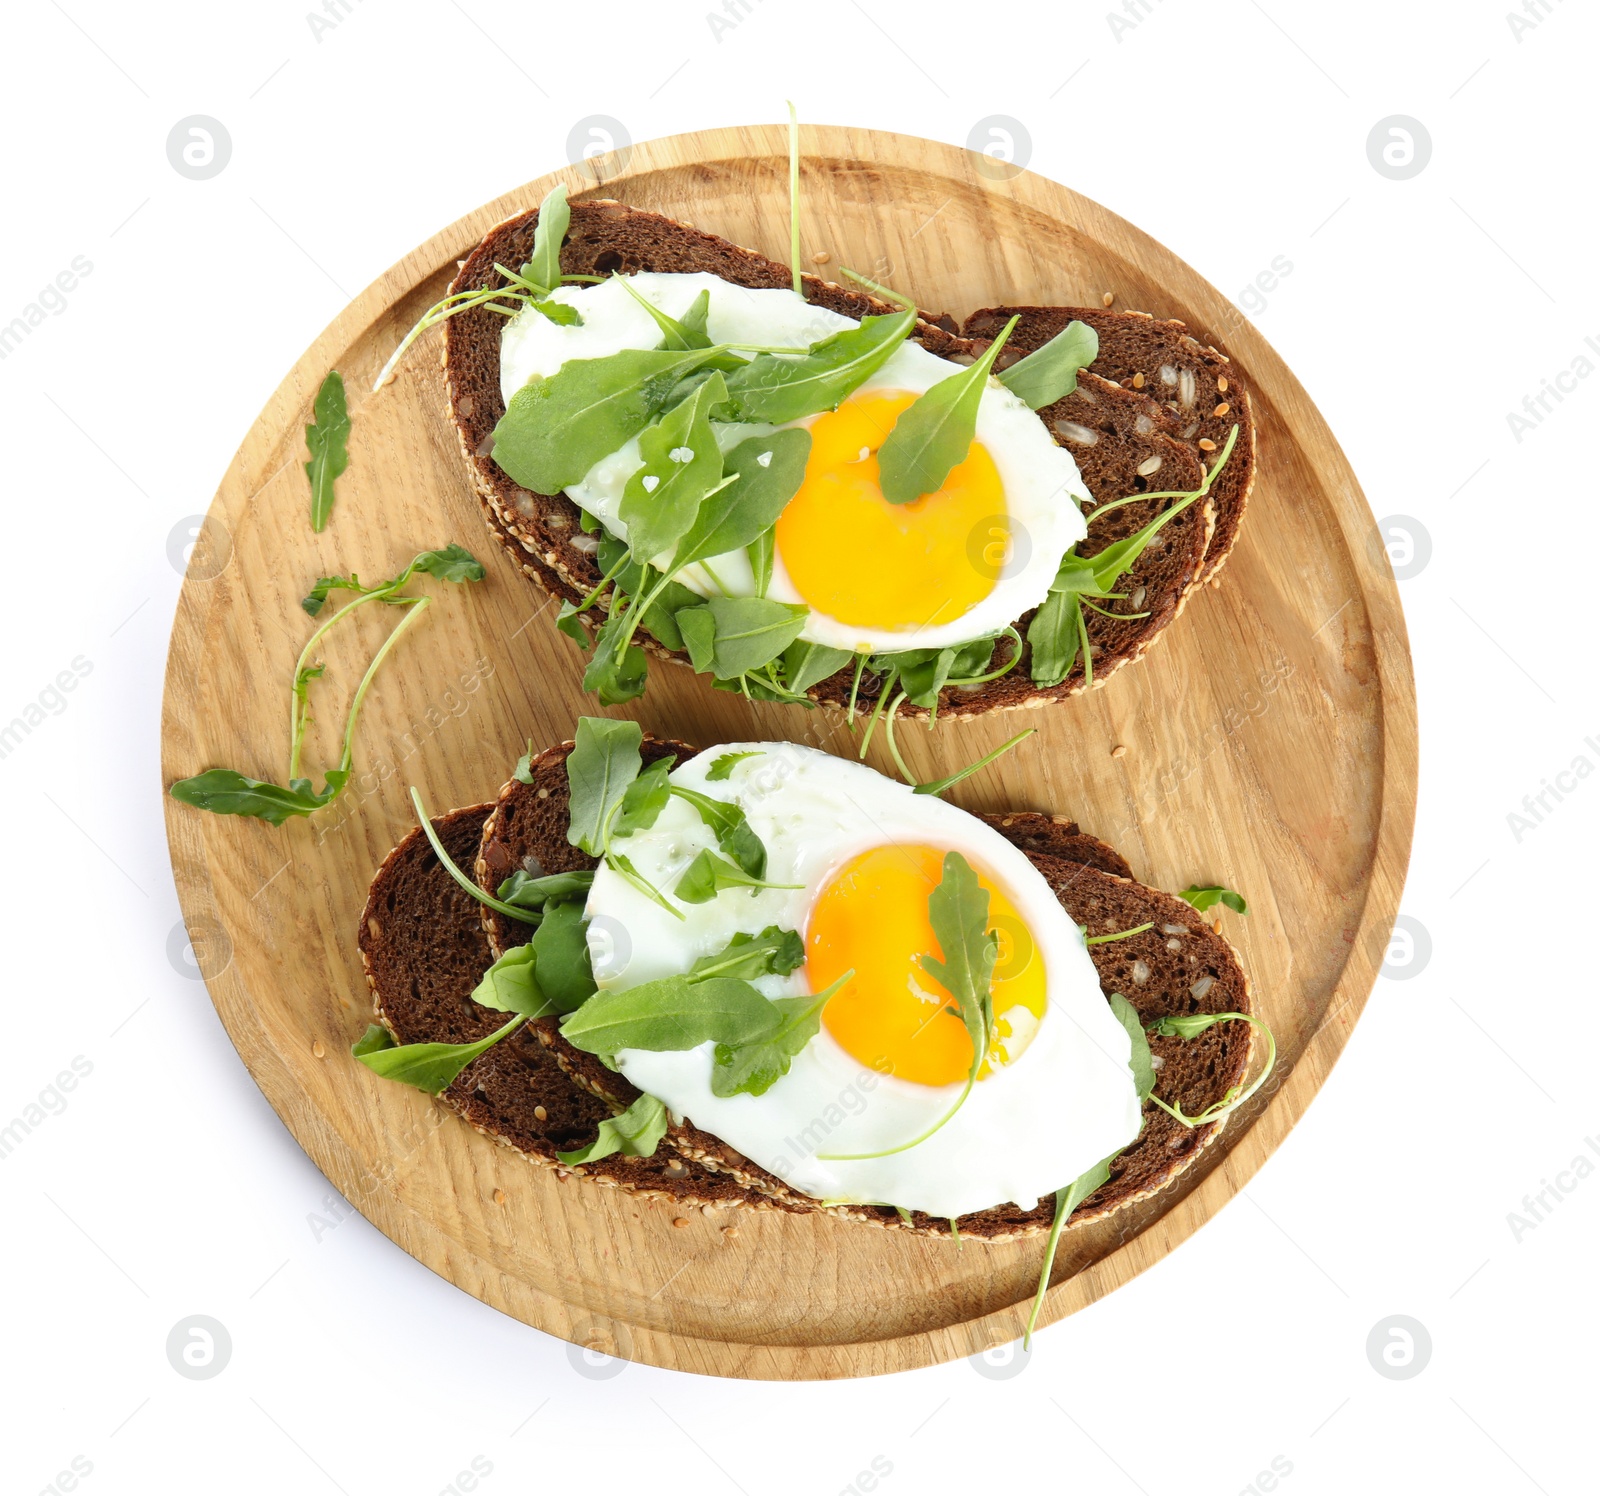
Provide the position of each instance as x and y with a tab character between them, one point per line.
872	917
856	557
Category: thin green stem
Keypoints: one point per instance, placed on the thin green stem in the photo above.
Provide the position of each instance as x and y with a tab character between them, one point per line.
1231	1102
511	911
1050	1245
298	706
1149	924
939	786
415	609
922	1137
894	748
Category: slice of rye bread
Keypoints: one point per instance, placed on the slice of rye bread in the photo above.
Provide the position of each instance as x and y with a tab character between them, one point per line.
424	950
1182	966
1196	384
1113	433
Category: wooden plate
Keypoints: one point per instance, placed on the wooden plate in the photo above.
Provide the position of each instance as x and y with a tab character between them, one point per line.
1271	746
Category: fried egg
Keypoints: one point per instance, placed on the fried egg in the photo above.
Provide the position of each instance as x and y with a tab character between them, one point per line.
1054	1094
947	568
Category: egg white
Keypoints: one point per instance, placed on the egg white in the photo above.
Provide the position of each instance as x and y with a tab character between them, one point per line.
1041	483
1066	1102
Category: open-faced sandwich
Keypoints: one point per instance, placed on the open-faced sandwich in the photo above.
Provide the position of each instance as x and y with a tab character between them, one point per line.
815	493
760	975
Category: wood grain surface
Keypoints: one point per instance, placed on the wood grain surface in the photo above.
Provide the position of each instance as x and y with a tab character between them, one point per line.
1270	745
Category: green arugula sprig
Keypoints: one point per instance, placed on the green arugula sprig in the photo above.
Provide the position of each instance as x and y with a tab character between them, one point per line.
958	911
1050	372
326	439
428	1067
1206	898
528	287
755	1037
1059	631
1183	1026
228	792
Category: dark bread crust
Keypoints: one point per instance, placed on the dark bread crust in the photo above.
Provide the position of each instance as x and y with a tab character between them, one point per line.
424	950
542	534
1095	886
1137	344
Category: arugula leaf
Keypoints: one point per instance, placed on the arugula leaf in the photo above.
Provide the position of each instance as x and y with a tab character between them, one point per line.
562	954
523	772
663	597
326	439
723	766
1067	1201
644	799
774	952
768	472
673	1013
1187	1026
511	985
376	1037
1144	1075
924	673
511	911
1205	898
958	910
604	761
782	387
729	636
635	1133
682	464
753	1068
939	786
528	892
1056	632
761	552
226	792
934	433
732	830
677	335
805	663
1050	372
618	669
709	874
625	870
313	600
543	269
428	1067
451	563
555	429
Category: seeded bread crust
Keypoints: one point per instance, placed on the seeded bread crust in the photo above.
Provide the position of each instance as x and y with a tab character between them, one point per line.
1195	383
1158	971
423	949
1125	443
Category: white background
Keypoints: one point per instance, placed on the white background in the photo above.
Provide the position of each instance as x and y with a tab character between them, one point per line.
1418	313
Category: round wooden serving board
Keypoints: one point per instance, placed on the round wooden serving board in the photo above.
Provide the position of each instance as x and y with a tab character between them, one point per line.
1270	746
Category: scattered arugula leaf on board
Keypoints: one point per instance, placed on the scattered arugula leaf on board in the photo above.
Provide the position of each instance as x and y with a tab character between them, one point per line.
1050	372
723	765
939	786
934	433
228	792
1206	898
326	441
635	1133
428	1067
